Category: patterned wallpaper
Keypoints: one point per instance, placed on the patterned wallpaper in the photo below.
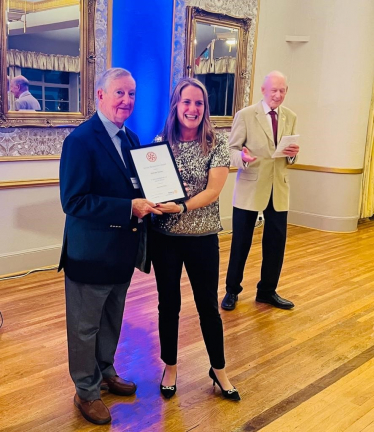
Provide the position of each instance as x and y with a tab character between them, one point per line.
48	141
236	8
31	141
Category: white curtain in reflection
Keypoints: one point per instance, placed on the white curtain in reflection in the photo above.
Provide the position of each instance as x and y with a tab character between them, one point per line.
203	66
225	65
35	60
218	66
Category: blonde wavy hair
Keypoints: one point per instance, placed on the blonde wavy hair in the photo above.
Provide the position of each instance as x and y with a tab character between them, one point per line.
206	135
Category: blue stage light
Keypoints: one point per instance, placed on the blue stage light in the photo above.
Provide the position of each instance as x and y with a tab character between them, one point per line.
142	43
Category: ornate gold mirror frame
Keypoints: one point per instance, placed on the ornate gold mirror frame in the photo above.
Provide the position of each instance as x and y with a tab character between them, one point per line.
196	15
10	119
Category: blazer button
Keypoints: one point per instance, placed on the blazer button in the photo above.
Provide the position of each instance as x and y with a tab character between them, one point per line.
135	229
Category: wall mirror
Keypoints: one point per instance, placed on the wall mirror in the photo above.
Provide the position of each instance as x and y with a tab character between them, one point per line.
216	54
47	62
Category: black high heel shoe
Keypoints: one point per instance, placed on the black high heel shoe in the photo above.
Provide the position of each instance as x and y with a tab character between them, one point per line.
231	394
168	391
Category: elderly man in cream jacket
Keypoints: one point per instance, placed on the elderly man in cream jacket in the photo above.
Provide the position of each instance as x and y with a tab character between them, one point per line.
261	185
19	86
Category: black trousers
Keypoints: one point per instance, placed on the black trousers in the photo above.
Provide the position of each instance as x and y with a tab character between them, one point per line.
200	255
273	246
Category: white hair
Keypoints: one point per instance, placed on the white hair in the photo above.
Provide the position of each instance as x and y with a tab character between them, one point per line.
22	82
110	75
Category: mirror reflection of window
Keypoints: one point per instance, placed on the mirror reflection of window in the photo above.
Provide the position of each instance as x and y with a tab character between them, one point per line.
43	46
215	64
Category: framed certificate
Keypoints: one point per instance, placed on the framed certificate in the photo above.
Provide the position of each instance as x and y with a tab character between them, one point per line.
157	173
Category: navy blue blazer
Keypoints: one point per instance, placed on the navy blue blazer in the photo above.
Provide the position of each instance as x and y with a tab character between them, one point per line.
101	239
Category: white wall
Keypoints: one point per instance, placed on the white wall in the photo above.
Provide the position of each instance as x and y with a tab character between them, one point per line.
330	80
225	202
31	218
330	84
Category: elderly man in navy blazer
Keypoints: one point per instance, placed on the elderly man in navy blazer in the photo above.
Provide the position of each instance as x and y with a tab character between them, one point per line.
102	240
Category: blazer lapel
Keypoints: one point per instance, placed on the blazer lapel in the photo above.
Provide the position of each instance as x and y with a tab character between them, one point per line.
261	117
105	140
281	122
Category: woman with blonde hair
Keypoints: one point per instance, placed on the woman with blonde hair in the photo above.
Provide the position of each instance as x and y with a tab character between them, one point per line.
187	233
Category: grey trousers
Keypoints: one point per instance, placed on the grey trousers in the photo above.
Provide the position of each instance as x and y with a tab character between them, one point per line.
93	319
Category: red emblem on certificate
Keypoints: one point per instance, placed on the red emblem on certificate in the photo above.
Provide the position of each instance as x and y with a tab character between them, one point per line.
151	156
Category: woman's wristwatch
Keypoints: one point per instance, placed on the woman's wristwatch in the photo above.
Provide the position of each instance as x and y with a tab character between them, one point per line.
183	208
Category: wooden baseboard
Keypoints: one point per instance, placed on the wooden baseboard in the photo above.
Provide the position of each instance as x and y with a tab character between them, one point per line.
17	184
24	272
326	169
21	262
323	222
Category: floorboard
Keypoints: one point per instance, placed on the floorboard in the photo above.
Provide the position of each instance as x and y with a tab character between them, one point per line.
308	369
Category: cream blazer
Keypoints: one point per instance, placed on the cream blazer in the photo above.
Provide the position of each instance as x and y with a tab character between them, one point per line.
255	181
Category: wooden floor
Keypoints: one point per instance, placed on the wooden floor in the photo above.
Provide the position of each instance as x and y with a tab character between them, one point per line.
309	369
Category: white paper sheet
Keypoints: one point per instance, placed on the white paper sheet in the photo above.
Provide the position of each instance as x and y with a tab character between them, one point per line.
284	143
157	173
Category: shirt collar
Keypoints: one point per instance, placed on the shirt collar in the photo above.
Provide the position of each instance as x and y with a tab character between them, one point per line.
25	93
267	109
110	127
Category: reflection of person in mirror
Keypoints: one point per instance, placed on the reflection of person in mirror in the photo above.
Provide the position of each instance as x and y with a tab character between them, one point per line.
19	86
104	239
261	185
187	233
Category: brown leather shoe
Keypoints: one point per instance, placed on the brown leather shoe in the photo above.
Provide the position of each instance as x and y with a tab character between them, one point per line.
94	411
118	386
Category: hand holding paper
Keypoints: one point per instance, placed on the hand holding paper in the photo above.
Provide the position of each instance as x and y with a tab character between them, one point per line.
169	207
141	207
291	151
290	141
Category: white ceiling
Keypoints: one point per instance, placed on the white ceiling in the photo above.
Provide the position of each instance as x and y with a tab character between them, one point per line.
56	24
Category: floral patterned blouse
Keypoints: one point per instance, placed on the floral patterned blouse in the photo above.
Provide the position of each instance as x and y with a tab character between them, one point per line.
194	167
